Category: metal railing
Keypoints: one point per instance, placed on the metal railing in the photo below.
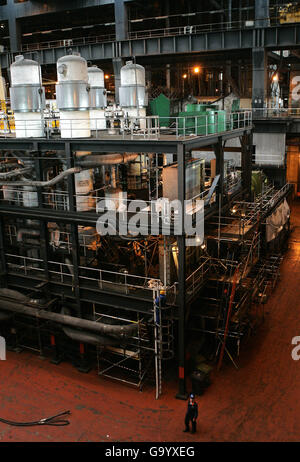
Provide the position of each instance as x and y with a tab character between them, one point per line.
272	112
275	18
196	280
123	282
247	214
159	211
117	281
232	181
146	128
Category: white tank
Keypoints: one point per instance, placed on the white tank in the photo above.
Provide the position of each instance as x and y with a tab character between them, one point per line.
30	197
96	77
25	71
72	95
115	199
132	74
75	124
98	98
9	193
84	182
72	68
83	188
27	97
132	92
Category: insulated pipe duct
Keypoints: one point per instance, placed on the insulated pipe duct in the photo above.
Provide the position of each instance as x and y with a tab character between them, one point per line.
20	171
117	331
88	337
94	160
27	97
43	184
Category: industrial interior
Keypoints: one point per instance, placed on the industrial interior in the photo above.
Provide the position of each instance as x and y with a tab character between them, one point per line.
117	103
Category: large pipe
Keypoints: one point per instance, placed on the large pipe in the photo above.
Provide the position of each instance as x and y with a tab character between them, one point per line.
93	160
88	337
87	162
117	331
43	184
19	171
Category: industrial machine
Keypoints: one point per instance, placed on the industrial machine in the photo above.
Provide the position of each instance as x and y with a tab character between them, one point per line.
93	269
98	98
132	93
72	94
27	97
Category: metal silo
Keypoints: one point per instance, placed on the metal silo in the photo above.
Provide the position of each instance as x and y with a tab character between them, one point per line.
27	97
132	93
98	98
72	95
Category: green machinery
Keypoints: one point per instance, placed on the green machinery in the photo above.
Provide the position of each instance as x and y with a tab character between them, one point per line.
197	119
160	106
258	182
201	119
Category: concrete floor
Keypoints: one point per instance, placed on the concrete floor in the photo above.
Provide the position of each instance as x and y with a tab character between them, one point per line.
257	403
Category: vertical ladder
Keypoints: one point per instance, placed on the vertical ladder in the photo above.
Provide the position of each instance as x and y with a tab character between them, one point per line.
157	343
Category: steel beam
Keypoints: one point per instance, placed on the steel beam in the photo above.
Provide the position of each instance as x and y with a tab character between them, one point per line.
273	38
33	8
117	145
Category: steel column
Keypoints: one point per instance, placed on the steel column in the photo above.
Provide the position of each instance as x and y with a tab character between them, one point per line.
15	35
121	20
44	241
259	80
74	228
246	162
262	13
3	269
182	394
219	153
117	64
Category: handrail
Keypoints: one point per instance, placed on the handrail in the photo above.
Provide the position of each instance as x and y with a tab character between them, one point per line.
160	32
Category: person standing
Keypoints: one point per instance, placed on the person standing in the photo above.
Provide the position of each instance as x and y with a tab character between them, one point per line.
191	414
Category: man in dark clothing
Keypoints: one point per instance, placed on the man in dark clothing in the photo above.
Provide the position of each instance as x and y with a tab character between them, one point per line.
191	414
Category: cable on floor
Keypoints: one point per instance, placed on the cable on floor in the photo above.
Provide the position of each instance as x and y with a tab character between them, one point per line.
47	421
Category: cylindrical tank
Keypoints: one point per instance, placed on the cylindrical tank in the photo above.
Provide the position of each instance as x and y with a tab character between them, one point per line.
136	174
30	197
96	77
84	182
27	97
98	98
132	93
221	120
72	96
132	74
115	199
211	122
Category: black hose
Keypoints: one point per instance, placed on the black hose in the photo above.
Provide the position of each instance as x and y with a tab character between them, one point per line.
47	421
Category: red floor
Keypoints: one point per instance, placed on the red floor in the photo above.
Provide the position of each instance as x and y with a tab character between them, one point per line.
260	402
